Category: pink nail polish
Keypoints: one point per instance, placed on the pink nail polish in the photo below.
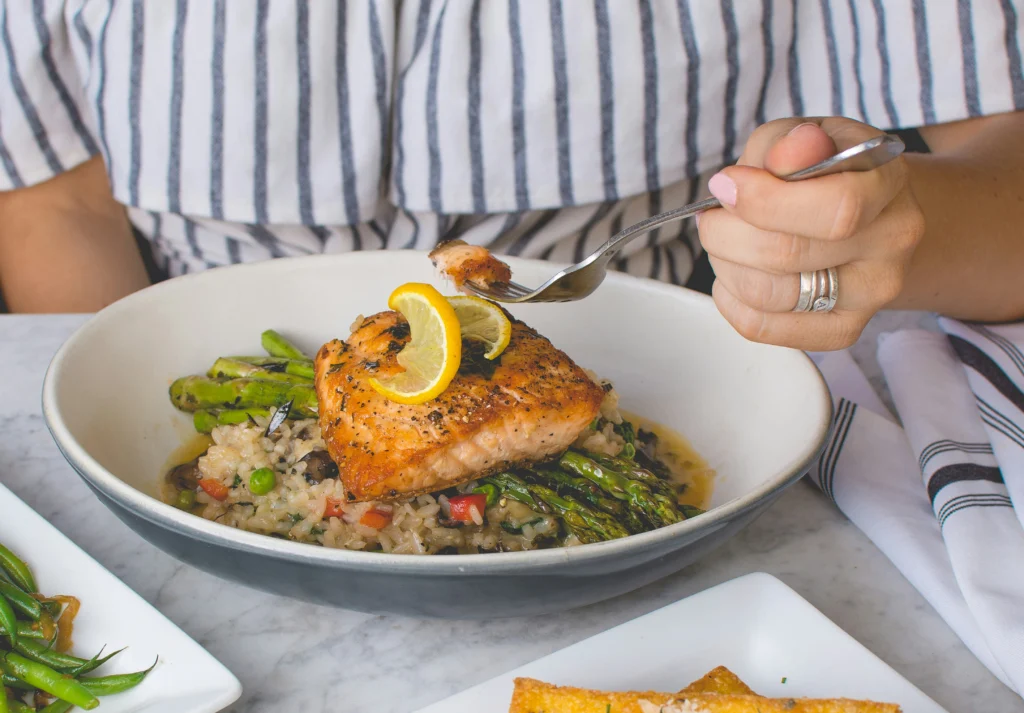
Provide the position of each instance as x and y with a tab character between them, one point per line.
723	188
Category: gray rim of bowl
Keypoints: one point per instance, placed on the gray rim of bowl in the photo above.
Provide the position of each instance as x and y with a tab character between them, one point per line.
170	518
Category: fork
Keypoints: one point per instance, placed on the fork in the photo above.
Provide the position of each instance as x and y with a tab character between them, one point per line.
579	280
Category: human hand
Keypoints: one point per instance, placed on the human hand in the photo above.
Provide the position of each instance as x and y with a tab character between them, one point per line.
865	224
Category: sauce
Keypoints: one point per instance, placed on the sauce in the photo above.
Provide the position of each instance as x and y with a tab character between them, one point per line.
687	465
193	447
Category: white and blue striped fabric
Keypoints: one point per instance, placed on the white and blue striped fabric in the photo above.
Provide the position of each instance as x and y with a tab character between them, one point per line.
943	496
261	128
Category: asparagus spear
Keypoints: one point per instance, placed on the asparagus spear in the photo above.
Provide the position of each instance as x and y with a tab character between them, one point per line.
278	346
635	471
657	509
205	421
582	489
691	511
565	483
229	368
588	525
512	486
192	393
294	367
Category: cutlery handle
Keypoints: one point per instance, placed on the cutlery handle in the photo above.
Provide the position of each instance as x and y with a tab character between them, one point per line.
865	156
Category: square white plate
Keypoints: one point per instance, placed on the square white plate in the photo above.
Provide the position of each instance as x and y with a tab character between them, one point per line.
761	629
187	679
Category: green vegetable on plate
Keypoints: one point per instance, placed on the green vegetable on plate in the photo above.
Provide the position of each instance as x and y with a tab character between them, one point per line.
262	481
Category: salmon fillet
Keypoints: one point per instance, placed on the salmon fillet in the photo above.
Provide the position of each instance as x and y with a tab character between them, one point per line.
463	263
533	406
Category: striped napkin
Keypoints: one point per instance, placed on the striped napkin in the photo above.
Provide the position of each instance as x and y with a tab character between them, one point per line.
943	495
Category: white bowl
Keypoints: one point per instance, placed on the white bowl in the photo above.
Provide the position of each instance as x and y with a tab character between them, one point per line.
758	414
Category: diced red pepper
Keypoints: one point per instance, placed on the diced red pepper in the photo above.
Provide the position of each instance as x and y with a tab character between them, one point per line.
333	508
376	518
214	489
461	506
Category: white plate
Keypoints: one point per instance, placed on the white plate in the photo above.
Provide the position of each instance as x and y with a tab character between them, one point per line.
187	679
761	629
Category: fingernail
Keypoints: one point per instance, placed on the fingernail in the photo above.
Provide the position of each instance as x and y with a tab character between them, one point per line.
696	219
799	127
723	188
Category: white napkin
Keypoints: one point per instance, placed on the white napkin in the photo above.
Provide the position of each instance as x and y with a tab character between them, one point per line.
931	495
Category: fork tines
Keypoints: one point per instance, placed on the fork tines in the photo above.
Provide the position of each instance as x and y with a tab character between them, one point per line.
499	290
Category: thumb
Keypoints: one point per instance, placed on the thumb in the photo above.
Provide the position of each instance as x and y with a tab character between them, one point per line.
804	146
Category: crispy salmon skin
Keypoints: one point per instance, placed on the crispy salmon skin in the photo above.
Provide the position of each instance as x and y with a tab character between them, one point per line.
533	406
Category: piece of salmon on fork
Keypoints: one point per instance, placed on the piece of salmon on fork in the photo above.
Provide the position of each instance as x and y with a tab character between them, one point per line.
473	264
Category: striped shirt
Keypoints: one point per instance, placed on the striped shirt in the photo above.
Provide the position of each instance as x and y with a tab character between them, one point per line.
264	128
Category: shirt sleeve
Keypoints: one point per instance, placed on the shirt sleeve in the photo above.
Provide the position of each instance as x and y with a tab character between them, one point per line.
44	125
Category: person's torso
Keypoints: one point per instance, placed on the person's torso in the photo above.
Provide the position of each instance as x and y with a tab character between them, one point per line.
304	117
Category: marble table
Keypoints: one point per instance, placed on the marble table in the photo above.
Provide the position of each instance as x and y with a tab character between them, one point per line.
295	657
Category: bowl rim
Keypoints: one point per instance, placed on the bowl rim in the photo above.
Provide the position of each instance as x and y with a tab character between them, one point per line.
208	532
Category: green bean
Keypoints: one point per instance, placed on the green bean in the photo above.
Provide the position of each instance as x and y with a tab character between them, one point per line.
17	569
46	679
16	706
4	706
278	346
12	682
45	655
26	630
57	706
8	620
21	601
109	685
92	664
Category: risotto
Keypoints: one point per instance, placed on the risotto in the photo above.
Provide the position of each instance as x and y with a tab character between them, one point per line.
308	502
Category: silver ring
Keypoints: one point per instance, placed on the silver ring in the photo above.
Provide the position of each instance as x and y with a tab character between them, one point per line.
819	291
803	302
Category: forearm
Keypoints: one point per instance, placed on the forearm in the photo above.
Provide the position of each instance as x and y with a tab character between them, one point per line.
66	245
971	190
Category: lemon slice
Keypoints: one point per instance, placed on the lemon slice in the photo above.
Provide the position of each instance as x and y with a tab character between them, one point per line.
433	353
483	321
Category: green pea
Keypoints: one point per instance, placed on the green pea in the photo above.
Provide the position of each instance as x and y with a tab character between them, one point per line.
186	500
262	481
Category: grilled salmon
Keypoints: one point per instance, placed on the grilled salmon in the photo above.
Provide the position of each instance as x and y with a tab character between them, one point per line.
463	263
526	406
